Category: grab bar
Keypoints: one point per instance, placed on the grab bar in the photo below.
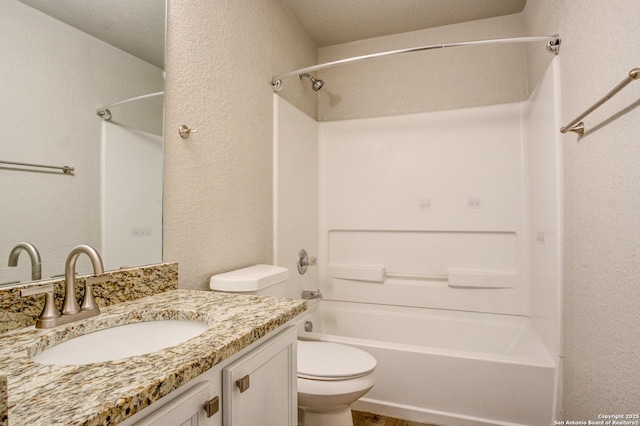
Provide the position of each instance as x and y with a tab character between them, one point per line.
577	126
65	169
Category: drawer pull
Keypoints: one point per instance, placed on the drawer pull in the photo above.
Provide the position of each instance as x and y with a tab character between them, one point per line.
243	383
212	406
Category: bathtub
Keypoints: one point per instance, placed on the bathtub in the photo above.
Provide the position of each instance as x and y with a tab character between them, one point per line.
445	367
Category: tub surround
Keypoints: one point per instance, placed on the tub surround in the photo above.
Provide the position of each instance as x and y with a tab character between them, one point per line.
109	392
17	312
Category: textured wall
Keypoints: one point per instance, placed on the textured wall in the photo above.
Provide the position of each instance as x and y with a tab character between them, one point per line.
53	78
421	82
602	201
218	192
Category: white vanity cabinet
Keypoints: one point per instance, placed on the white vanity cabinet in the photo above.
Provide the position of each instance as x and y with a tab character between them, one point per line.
256	386
260	388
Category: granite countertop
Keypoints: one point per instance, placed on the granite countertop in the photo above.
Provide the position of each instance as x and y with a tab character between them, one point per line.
106	393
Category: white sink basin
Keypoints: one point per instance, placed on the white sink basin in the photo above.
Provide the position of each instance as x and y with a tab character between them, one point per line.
120	342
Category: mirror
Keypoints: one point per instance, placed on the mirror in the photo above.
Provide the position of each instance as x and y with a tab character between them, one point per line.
64	61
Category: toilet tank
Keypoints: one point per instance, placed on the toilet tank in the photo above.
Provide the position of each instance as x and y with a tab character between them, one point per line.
265	280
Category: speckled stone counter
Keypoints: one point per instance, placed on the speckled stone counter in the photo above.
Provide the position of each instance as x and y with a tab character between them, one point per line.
124	284
106	393
3	401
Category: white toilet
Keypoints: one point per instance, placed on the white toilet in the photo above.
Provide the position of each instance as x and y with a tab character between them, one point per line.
331	376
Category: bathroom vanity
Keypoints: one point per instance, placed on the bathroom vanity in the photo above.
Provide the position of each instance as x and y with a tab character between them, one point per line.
240	370
255	386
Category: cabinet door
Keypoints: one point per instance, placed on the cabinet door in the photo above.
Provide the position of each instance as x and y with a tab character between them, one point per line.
260	388
185	410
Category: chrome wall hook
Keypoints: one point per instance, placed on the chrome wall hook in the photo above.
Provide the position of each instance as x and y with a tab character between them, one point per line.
185	131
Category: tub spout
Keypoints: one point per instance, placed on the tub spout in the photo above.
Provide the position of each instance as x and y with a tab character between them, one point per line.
311	294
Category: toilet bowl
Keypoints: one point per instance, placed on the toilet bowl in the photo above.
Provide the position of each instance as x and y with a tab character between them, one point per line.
331	376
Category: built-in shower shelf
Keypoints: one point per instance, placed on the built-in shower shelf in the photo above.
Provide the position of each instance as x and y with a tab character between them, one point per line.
358	272
460	278
456	278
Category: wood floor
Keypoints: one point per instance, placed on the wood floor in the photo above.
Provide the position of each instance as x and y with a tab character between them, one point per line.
370	419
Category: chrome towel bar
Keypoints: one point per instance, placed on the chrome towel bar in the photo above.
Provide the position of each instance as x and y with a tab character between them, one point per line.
65	169
577	126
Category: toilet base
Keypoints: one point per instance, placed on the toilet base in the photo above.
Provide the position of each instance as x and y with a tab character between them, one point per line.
338	417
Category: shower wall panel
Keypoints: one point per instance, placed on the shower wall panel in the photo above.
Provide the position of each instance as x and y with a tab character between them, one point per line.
434	201
295	192
544	159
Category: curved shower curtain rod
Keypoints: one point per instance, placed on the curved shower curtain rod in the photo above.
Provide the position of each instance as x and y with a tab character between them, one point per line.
105	114
553	46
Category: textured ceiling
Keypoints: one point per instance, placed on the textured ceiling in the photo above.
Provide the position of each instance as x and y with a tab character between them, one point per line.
330	22
135	26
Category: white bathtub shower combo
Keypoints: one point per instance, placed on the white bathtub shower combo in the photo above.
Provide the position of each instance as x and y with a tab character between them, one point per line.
438	241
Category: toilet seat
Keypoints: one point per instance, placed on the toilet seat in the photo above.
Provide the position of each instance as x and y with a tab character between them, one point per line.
326	361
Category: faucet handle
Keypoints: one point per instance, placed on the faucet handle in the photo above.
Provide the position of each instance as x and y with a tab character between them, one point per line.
89	302
304	261
49	310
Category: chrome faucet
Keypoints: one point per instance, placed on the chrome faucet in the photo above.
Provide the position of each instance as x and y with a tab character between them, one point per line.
36	262
71	311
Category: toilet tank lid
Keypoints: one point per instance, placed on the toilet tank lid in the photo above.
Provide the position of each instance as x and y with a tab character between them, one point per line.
252	278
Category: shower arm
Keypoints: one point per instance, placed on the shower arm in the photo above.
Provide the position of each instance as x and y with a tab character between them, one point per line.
553	46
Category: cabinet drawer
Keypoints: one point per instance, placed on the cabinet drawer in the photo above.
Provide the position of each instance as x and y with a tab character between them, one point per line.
185	410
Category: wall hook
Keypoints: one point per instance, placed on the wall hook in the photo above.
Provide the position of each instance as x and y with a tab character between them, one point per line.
185	131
